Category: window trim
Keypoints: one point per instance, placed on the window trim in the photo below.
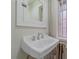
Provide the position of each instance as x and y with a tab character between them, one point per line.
57	35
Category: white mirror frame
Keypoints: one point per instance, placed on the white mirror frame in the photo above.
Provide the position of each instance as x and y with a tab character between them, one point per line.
30	23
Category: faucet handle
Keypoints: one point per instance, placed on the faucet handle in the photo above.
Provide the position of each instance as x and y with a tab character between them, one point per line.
38	33
33	38
42	36
38	36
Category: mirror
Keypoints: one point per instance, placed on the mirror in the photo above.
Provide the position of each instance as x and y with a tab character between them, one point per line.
31	13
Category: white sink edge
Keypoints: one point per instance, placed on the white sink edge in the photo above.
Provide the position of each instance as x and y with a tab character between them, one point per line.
42	53
30	49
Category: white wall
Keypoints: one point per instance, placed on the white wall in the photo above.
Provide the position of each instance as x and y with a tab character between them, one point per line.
17	33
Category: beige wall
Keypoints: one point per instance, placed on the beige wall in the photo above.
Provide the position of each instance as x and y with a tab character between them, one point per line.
53	17
17	33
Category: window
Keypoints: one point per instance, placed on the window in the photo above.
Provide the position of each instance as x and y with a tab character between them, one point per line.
62	19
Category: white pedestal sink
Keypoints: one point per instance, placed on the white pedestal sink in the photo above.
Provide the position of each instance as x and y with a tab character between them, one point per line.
38	48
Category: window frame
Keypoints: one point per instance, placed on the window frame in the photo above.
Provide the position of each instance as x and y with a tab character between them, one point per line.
61	10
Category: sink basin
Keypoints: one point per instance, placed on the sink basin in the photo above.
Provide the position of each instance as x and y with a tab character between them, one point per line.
38	48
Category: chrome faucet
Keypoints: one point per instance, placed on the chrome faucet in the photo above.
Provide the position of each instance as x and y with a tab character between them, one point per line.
38	36
33	38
